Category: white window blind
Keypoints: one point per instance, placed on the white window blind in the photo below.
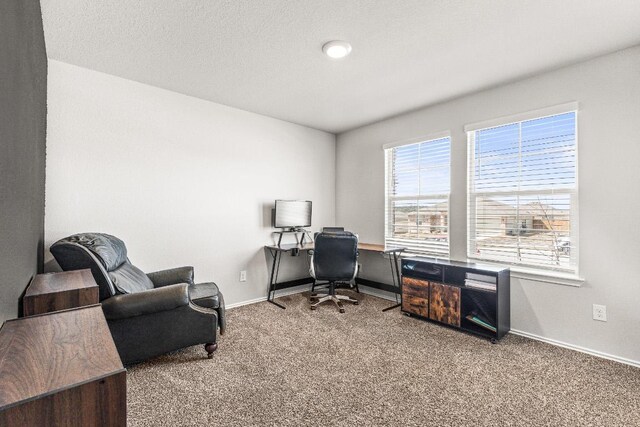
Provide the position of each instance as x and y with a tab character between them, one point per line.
417	197
522	195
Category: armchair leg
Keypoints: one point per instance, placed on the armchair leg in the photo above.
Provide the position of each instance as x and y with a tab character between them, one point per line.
210	348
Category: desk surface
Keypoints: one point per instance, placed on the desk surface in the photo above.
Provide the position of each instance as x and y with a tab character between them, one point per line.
40	355
372	247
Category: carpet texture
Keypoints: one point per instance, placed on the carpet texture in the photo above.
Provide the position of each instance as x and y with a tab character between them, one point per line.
298	367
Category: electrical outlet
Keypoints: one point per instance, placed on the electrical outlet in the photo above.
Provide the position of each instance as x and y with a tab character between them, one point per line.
600	312
243	276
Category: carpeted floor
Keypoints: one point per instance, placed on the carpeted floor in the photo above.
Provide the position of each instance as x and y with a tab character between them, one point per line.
298	367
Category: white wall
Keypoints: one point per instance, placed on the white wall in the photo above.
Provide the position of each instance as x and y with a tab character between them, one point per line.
608	92
181	180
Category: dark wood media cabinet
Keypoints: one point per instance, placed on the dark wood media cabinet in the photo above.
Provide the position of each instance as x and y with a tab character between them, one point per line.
61	369
471	297
60	291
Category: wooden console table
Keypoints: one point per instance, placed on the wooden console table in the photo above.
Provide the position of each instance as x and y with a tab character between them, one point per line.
61	369
59	291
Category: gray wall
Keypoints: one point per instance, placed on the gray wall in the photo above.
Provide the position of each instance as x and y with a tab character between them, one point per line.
607	90
181	180
23	112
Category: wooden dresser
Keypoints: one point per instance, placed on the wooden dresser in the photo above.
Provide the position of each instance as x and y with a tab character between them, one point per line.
61	369
59	291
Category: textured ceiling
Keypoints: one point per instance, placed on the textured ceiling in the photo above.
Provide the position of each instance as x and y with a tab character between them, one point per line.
265	56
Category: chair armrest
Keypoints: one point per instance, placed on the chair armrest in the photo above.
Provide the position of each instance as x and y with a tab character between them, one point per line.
172	276
146	302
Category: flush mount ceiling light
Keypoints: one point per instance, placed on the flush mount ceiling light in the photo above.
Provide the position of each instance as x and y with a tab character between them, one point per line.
336	49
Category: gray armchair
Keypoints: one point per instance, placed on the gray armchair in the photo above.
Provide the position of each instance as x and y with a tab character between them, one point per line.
148	314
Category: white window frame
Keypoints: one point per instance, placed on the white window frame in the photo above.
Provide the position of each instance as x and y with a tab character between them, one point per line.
388	225
542	273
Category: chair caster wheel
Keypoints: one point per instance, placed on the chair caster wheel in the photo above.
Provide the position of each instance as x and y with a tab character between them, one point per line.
313	308
356	303
494	341
342	310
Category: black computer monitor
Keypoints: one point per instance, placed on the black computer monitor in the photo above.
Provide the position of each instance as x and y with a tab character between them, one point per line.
292	214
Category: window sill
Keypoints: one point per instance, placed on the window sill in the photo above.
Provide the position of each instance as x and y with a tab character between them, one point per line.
548	277
543	276
555	278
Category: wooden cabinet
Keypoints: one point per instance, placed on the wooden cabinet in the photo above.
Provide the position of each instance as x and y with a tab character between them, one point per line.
444	304
415	296
61	369
432	300
471	297
60	291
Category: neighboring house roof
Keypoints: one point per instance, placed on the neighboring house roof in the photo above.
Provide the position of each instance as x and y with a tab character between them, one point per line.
541	209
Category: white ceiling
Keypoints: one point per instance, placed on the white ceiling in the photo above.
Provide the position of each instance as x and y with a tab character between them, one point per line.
265	56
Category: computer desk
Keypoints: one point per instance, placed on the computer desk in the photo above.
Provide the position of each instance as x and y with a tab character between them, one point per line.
276	252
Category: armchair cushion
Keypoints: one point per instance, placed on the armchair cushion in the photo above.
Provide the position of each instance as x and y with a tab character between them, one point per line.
172	276
207	295
129	279
110	250
146	302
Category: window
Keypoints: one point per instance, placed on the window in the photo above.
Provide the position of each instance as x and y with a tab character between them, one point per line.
417	196
522	193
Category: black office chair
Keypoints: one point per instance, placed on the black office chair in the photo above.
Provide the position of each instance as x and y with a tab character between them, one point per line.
334	259
332	229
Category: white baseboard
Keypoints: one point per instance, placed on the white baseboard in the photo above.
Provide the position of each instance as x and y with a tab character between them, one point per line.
596	353
247	302
377	293
388	296
282	293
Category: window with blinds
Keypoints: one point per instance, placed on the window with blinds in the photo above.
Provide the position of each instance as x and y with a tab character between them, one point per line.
417	197
522	195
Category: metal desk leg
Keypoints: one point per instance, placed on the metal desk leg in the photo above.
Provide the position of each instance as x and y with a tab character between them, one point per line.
395	275
275	269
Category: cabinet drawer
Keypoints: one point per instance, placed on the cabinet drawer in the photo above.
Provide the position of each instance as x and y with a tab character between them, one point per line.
444	304
415	305
415	287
